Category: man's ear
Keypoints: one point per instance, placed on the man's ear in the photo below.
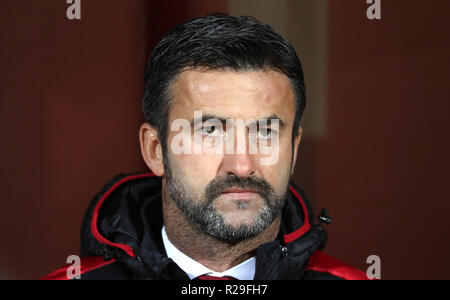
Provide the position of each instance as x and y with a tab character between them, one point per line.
151	149
296	144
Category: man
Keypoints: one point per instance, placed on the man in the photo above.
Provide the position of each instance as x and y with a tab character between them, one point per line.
223	102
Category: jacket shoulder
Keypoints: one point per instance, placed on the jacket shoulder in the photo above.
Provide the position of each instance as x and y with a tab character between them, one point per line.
87	265
324	266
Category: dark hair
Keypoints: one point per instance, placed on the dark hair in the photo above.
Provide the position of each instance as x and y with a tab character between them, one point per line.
217	41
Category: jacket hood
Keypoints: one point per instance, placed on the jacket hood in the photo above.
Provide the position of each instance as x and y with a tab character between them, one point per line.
125	220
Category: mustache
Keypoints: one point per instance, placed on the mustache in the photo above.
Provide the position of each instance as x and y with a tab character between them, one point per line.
219	185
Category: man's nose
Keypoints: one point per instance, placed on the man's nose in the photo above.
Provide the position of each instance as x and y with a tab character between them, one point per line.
240	165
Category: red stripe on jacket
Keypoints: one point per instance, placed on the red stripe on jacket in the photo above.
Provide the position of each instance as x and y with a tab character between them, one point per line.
87	264
322	262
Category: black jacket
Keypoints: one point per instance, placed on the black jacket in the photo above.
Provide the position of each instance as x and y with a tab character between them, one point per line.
121	238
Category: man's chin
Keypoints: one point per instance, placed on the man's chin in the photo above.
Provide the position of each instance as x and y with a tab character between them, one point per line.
238	225
237	217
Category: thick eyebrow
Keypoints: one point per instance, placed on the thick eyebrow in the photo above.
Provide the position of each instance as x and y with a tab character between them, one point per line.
271	118
207	117
223	120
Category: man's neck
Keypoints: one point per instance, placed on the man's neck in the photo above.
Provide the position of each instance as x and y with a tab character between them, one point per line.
213	253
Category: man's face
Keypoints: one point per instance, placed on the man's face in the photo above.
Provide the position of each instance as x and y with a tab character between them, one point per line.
230	195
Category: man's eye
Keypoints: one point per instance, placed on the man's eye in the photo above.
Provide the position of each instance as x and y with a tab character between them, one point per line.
210	130
266	133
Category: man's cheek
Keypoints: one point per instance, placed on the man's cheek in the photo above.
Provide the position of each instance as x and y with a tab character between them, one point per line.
271	154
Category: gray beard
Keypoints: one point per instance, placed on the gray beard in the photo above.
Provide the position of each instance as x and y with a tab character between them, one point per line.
203	214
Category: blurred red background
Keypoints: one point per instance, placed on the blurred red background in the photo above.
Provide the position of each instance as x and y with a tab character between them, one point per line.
71	107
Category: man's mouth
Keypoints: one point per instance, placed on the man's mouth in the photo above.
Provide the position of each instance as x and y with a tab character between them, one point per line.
241	194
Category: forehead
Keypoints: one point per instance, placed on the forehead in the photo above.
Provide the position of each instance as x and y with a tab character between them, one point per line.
232	94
